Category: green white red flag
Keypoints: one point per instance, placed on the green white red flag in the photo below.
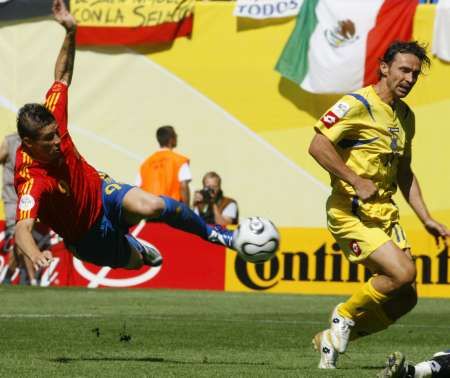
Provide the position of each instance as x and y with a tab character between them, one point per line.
336	44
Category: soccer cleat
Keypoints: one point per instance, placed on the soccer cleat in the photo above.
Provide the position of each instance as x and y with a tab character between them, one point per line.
328	354
440	363
340	330
151	255
220	235
395	367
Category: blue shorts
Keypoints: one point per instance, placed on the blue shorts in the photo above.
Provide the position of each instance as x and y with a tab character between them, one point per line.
107	242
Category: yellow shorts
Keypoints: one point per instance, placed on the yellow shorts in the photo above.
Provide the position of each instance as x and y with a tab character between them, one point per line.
361	228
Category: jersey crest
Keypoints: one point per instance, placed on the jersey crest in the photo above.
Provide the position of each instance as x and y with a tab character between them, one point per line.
26	202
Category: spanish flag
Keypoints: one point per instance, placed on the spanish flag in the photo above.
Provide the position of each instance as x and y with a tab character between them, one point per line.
131	22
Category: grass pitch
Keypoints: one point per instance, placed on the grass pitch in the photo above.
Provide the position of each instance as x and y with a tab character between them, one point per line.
54	332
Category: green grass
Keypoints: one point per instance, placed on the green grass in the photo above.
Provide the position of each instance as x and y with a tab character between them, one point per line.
50	332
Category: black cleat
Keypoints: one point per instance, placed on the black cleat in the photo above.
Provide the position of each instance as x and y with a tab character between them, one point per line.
151	255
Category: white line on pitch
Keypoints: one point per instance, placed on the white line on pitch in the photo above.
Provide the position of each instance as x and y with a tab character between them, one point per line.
12	316
176	318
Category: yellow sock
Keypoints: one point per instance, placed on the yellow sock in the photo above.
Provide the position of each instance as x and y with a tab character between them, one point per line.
364	300
370	322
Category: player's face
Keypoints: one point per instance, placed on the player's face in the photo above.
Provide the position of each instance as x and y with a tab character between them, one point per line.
213	184
46	147
402	74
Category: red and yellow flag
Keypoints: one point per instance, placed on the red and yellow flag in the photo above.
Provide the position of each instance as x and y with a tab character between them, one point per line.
131	22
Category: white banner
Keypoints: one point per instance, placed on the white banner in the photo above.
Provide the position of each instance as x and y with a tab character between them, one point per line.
441	35
261	9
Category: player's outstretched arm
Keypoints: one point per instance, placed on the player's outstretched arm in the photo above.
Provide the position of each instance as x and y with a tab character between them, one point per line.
410	188
26	244
66	57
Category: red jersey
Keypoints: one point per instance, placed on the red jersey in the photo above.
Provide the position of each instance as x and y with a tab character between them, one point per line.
66	196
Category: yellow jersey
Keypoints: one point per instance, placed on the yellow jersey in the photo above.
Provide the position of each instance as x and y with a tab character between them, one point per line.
370	136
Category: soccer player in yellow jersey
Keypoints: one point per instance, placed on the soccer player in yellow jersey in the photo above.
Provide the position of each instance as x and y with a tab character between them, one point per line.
364	142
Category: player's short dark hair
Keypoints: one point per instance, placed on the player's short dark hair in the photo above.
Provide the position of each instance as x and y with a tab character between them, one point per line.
406	47
164	134
31	118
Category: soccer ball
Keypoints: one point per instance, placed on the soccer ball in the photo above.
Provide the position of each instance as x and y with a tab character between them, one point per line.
256	239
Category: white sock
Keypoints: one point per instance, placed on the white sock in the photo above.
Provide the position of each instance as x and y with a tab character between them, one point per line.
423	370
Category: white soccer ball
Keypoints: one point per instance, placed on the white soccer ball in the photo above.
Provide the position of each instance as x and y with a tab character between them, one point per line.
256	239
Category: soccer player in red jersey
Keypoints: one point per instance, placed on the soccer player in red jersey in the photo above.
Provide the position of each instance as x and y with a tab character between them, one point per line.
88	209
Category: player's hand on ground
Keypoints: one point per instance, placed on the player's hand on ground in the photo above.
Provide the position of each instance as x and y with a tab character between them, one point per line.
62	15
365	188
42	260
438	230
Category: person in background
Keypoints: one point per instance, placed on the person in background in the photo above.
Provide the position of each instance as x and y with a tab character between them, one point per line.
166	172
212	205
8	150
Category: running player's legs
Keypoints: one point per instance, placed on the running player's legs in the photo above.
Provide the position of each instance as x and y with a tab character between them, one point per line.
405	299
393	267
380	301
378	249
390	293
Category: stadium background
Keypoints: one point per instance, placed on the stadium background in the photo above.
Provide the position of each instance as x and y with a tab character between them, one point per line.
236	115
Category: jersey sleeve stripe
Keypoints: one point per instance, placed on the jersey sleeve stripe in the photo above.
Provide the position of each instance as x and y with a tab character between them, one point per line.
52	101
24	172
48	100
27	187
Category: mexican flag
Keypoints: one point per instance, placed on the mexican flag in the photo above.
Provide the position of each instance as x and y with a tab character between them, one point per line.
336	44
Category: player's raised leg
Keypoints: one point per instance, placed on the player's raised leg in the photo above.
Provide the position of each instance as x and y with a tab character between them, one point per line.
395	271
138	205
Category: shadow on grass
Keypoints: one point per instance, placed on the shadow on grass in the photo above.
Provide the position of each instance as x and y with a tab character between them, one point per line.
66	360
372	367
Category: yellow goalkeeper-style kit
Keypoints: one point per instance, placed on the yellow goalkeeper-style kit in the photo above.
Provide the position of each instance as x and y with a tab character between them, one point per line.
371	137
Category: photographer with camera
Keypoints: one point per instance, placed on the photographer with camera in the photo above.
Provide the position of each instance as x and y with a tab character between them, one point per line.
212	205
